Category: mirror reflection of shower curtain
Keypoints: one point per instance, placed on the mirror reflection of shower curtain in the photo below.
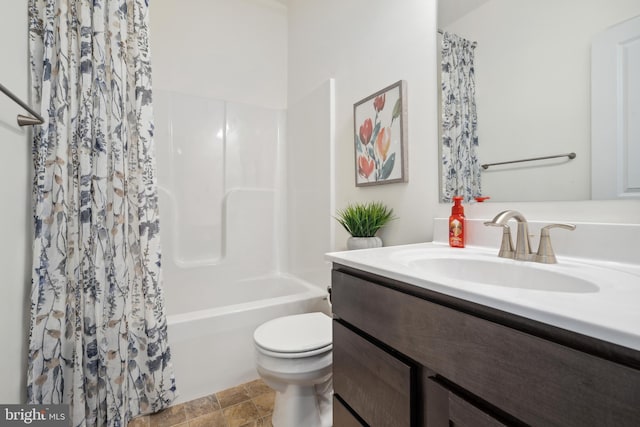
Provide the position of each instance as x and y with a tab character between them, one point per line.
459	143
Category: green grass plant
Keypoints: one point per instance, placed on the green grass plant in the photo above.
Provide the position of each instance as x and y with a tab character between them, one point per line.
364	219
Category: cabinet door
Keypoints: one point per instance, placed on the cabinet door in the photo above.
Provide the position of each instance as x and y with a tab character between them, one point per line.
342	417
375	384
447	409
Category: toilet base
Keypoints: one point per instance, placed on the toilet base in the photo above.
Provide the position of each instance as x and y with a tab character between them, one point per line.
309	406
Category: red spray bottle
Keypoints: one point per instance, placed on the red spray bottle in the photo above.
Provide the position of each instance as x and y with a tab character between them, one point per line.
456	224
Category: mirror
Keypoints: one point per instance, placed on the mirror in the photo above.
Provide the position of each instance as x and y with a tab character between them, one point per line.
533	80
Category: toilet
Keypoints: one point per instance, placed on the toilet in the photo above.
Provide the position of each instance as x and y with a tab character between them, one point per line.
293	357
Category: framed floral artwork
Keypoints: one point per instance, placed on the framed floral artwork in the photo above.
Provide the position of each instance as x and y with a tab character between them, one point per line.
380	123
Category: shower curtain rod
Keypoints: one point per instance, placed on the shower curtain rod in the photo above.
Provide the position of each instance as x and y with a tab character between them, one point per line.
36	119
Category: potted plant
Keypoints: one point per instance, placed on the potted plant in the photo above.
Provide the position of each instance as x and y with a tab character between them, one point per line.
362	221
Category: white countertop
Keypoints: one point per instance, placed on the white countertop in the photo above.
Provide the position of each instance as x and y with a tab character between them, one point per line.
608	310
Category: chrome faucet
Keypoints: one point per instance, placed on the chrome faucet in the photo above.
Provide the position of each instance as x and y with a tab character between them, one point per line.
545	251
523	247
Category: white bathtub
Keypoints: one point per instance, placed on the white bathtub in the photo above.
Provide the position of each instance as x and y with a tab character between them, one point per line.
211	336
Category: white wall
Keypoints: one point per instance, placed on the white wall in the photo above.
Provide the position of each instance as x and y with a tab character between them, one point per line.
15	216
366	45
533	63
233	50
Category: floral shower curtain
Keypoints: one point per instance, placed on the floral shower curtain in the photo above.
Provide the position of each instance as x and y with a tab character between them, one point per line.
98	333
460	165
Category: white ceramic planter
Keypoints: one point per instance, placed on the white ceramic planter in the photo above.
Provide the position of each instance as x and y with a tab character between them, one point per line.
364	242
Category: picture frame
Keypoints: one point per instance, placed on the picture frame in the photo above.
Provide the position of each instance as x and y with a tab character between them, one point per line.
380	139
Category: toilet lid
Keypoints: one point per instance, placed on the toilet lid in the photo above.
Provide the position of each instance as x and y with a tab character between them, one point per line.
295	334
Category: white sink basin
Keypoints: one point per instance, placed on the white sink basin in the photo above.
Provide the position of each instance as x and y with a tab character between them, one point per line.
512	275
598	299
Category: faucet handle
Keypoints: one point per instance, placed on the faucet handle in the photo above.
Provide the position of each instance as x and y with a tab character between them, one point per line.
545	250
506	246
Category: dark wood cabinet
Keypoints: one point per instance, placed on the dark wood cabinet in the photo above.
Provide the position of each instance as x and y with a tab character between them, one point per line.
404	355
446	408
376	384
343	416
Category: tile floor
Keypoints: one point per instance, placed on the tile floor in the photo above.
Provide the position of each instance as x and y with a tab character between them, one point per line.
247	405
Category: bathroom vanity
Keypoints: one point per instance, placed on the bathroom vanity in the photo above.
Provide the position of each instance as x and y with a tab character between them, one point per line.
410	352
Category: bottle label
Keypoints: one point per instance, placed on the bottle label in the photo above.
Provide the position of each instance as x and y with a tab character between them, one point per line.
455	233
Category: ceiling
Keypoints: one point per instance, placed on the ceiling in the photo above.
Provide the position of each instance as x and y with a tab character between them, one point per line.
451	10
448	10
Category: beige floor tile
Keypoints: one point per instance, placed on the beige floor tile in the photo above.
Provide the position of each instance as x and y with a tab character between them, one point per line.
256	388
142	421
202	406
241	414
264	403
171	416
247	405
265	422
232	396
213	419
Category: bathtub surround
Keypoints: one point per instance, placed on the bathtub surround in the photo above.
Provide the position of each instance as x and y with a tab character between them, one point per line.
310	184
98	336
224	214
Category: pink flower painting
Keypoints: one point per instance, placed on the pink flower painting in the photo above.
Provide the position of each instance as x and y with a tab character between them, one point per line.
365	131
379	138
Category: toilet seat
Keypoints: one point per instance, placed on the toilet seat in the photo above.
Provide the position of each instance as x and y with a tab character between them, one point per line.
298	355
296	336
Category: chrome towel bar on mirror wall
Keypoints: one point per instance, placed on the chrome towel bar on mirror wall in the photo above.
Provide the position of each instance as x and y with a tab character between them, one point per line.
35	118
569	155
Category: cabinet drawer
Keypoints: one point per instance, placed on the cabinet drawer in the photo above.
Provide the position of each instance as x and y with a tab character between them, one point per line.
447	409
376	385
530	378
342	417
